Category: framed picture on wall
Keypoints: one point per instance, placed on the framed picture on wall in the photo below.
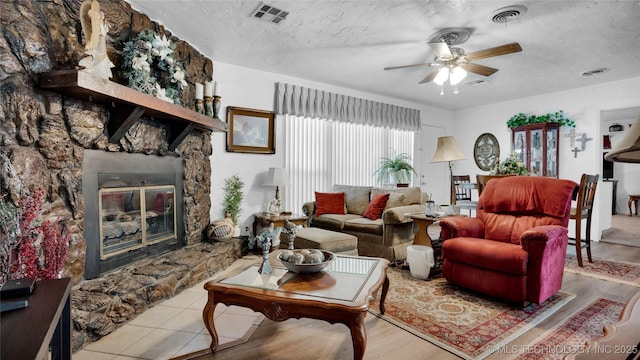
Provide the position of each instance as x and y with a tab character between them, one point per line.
250	131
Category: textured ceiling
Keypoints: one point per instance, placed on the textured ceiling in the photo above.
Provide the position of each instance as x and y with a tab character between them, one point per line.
348	43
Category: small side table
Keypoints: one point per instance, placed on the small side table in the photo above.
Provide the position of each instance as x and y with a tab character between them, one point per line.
264	219
422	237
423	221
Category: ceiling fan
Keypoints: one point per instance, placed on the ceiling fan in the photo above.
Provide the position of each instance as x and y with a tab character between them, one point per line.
453	62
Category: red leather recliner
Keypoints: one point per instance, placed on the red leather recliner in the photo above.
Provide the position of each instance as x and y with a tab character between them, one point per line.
515	247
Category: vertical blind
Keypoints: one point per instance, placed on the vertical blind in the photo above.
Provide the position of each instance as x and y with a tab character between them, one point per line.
321	153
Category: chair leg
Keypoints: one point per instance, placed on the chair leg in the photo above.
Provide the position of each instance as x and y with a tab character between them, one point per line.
588	241
579	242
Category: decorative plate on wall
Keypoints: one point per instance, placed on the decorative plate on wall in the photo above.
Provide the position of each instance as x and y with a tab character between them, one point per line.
486	151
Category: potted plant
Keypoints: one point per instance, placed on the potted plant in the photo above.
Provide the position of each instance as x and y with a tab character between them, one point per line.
397	168
233	198
512	165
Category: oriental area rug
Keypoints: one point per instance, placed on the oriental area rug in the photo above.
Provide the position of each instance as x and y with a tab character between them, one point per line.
461	322
620	272
570	336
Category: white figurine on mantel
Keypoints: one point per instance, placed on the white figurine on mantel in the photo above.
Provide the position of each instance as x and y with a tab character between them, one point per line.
95	32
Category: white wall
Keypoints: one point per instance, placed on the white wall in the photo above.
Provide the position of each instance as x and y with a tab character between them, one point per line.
583	105
249	88
627	174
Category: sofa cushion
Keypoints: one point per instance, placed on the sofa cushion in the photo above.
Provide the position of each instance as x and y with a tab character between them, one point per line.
487	254
395	200
364	225
412	195
329	203
356	198
332	221
376	206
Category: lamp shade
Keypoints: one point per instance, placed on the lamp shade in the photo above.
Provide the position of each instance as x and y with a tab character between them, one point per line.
628	150
276	177
447	150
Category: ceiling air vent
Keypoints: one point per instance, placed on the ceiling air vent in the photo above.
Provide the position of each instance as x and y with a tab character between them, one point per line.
594	72
269	13
477	82
508	13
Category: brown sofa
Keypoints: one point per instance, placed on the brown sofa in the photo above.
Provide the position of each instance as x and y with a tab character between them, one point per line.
387	237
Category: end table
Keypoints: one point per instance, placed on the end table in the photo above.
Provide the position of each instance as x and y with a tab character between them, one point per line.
264	219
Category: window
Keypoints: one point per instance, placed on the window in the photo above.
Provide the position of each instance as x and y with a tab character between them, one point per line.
321	153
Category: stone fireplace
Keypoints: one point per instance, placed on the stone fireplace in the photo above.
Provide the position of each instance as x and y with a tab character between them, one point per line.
134	208
147	244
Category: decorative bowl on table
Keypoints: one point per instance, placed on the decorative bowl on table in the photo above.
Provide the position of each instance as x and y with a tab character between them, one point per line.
305	261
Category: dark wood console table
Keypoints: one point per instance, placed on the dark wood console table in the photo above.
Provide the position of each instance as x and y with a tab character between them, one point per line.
29	332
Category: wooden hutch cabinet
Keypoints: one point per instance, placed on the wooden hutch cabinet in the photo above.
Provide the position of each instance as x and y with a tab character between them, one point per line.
537	146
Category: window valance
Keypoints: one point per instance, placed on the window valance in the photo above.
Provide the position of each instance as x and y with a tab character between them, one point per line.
301	101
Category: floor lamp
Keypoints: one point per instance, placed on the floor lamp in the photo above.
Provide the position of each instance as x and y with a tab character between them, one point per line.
447	150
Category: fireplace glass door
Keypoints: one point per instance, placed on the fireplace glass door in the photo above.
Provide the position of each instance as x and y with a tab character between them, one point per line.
134	217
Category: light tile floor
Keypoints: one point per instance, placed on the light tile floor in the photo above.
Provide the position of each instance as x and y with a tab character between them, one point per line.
174	327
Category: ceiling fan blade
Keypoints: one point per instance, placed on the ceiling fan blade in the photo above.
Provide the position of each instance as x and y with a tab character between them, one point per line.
495	51
441	50
479	69
408	66
429	77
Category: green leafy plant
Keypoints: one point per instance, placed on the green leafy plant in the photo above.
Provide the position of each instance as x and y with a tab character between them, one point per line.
524	119
510	166
233	197
397	167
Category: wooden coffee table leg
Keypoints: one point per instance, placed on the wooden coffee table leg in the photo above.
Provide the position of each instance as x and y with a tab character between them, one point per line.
358	335
385	288
207	316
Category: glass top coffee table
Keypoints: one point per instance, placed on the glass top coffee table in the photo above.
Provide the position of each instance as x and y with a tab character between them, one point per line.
341	293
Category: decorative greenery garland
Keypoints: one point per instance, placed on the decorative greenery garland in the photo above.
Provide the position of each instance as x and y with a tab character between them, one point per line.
524	119
150	67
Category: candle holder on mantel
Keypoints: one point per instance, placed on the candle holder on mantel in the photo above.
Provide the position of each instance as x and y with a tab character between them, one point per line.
216	106
199	106
208	106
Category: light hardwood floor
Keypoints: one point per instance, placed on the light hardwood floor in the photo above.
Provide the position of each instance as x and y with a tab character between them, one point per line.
312	339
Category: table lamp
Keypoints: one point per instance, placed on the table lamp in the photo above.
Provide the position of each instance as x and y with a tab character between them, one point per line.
447	150
276	177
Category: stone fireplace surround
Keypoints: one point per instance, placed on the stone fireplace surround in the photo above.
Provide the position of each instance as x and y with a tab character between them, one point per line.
45	135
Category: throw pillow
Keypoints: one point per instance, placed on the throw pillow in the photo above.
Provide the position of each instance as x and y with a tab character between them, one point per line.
329	203
395	200
376	206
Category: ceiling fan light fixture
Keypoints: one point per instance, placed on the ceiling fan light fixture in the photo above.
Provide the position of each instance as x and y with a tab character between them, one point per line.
442	76
457	74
